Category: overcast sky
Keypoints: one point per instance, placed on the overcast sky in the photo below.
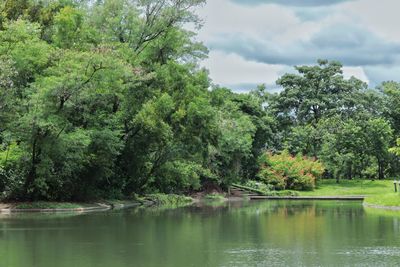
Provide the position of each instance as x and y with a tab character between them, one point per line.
256	41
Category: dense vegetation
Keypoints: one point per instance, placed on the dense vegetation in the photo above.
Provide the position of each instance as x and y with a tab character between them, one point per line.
105	99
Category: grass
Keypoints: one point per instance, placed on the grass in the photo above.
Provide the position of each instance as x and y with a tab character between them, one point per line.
351	187
284	193
378	193
385	200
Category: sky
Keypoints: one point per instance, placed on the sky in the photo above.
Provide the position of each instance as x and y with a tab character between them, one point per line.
255	42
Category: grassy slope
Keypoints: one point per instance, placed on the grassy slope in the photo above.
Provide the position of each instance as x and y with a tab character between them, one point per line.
379	193
353	187
388	200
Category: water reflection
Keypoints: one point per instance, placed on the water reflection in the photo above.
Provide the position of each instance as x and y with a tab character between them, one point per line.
258	233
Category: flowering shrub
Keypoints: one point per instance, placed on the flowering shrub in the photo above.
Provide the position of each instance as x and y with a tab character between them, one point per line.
284	171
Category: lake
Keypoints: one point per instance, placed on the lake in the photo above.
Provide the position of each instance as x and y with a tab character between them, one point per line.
256	233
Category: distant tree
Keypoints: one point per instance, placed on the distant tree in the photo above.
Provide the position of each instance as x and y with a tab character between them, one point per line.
356	148
316	92
391	90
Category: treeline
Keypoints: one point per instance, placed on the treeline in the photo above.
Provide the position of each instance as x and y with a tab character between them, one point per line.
104	99
347	126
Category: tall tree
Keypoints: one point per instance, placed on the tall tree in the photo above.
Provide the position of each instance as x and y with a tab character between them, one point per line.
315	92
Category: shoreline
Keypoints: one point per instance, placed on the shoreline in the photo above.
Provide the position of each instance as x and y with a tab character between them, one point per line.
89	207
9	208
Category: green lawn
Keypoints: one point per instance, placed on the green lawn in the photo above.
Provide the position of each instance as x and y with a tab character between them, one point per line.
353	187
388	200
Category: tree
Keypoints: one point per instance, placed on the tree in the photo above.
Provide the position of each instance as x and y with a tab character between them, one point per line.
356	148
379	136
391	91
235	137
153	24
316	92
8	92
20	42
103	99
68	25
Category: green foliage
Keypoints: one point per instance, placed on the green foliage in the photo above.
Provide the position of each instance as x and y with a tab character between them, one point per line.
263	187
20	40
349	128
106	99
169	200
244	128
284	171
391	104
317	91
303	140
253	186
356	148
95	102
68	26
10	154
179	175
396	149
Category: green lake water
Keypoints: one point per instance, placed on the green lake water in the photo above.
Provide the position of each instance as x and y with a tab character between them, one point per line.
257	233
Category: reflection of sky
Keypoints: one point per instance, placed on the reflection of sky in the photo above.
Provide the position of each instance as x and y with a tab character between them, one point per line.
256	41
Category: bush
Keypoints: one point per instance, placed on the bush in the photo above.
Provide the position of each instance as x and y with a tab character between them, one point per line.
258	186
169	200
284	171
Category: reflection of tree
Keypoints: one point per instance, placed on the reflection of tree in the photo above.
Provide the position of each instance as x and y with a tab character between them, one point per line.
297	233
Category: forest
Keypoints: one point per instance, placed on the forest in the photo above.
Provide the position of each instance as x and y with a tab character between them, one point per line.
107	99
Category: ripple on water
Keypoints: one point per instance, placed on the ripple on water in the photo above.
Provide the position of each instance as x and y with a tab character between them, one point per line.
363	256
266	257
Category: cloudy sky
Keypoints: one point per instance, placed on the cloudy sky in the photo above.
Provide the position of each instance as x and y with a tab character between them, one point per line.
256	41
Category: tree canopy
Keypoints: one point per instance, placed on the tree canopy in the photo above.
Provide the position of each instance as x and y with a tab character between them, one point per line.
105	99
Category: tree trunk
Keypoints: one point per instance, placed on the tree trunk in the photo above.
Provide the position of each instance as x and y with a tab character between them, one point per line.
381	174
30	179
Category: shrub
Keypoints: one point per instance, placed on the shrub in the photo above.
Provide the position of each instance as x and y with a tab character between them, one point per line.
169	200
284	171
258	185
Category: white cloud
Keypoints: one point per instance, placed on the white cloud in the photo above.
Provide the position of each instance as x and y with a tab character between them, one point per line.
233	71
357	72
229	69
254	43
381	17
266	21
